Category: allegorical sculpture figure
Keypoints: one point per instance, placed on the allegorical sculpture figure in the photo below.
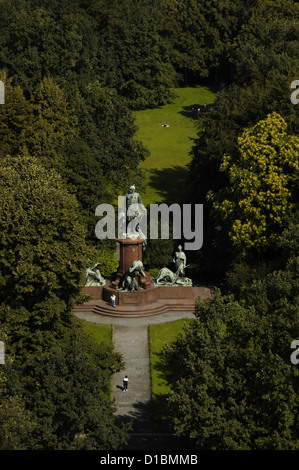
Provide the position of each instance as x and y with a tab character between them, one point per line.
94	277
133	213
180	261
129	281
168	277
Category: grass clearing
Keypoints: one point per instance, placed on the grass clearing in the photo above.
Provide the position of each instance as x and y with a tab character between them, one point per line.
101	333
159	335
170	147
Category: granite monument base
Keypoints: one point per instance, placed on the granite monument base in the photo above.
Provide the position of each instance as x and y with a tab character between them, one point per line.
152	301
130	250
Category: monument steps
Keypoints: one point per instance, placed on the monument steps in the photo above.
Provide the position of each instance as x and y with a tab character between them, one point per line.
135	311
102	307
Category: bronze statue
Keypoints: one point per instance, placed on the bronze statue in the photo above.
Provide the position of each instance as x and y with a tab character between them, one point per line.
135	211
129	280
93	276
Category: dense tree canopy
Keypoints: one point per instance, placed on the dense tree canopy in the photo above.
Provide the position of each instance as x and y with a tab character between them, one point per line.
254	92
62	395
133	57
200	34
73	73
42	236
40	39
116	43
54	376
234	386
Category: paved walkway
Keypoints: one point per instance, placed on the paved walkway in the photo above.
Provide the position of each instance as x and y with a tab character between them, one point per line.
131	340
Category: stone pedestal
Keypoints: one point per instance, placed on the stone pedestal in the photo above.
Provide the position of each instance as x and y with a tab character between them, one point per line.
148	296
145	302
130	250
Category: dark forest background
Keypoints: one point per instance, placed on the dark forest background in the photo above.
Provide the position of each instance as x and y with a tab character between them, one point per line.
74	72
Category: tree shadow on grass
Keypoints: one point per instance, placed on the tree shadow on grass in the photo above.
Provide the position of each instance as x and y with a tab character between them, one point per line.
161	367
160	404
170	183
191	111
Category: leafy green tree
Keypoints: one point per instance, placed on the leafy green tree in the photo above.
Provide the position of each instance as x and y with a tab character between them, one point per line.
16	424
69	43
199	34
55	124
41	39
56	376
90	142
16	119
234	386
267	41
42	237
66	390
101	163
110	133
136	63
258	197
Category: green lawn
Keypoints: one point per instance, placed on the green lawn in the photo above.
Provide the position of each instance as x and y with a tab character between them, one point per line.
159	335
170	146
101	333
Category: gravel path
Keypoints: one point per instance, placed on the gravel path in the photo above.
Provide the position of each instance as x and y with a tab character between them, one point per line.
131	340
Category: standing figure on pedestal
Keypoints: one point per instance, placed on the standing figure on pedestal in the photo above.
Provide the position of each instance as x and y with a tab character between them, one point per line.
167	277
135	211
180	262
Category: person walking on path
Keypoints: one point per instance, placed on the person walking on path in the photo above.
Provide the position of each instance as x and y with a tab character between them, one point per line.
126	380
112	298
